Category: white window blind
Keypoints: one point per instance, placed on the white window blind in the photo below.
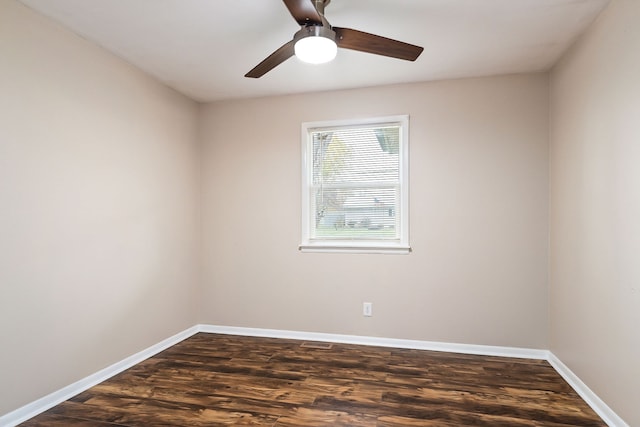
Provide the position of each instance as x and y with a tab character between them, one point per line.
355	185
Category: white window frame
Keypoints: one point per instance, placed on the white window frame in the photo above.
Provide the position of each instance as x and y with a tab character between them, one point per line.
398	246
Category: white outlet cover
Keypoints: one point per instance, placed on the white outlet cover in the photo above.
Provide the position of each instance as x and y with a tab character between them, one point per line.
367	309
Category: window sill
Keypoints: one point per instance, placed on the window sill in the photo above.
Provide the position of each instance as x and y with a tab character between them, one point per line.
355	249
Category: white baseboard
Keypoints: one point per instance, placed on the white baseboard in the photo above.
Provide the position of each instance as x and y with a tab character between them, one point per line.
602	409
32	409
485	350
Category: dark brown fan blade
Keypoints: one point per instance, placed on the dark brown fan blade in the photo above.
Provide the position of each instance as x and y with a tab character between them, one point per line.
285	52
303	11
370	43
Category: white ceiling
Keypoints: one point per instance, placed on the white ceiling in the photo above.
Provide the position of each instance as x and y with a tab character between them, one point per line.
203	48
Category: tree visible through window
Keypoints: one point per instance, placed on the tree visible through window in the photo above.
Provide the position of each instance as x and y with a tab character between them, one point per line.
355	185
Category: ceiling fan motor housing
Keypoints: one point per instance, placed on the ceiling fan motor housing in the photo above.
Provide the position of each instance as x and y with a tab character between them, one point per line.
315	31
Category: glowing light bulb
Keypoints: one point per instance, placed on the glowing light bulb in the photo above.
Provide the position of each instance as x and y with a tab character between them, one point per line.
316	49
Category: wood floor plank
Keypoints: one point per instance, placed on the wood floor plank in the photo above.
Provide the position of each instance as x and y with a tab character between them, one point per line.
311	417
47	420
221	380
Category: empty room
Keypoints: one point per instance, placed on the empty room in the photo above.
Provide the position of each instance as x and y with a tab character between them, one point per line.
318	213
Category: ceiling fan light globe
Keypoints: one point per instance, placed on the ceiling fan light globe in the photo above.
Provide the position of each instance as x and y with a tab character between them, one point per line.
316	49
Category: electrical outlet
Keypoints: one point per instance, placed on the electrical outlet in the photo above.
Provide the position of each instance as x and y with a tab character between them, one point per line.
367	309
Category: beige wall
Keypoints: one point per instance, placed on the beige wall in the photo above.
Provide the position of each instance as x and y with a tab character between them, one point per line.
98	209
479	217
595	209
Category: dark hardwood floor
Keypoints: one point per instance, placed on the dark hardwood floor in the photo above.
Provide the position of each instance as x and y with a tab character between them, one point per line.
210	380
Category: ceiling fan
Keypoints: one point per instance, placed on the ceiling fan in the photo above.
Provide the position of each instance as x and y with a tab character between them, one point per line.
317	36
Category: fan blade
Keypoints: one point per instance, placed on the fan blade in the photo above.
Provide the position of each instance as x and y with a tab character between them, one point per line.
370	43
285	52
304	12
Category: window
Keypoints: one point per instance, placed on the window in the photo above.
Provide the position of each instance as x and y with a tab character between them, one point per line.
355	185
